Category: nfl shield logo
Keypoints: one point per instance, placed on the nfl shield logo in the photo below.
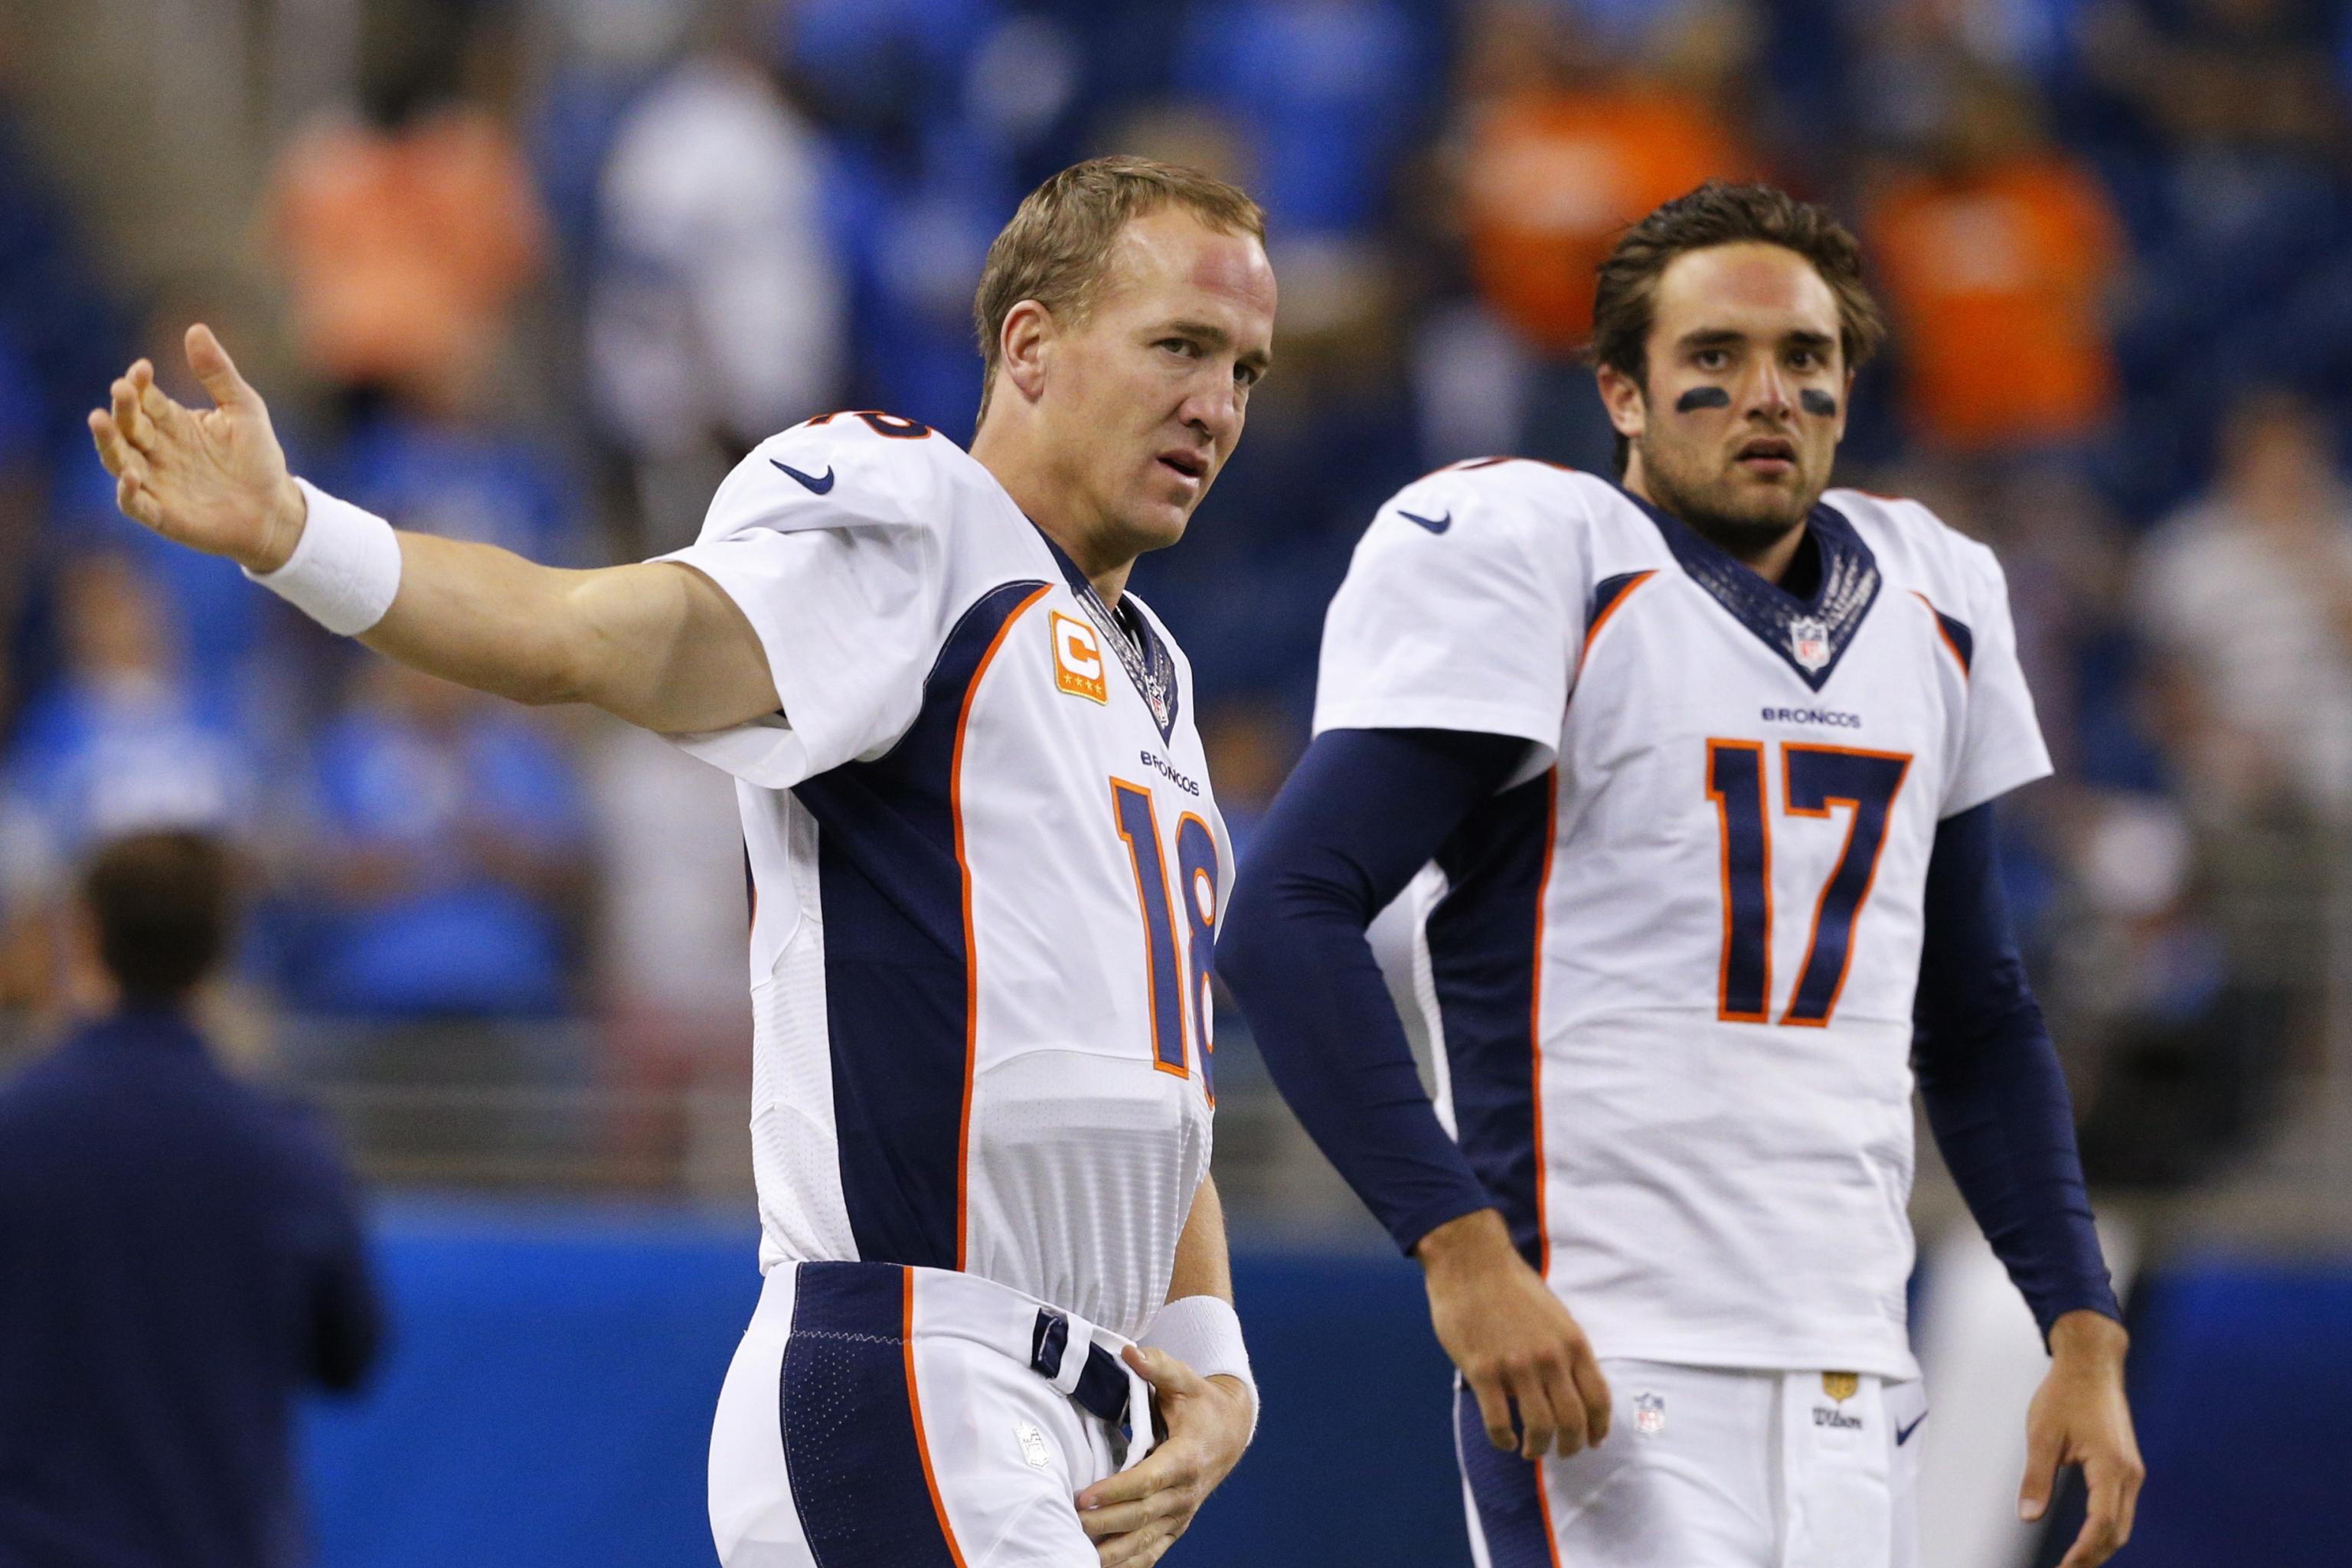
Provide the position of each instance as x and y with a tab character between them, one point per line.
1841	1385
1648	1414
1808	643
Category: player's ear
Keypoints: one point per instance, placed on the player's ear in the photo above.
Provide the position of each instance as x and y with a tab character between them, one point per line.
1026	345
1622	397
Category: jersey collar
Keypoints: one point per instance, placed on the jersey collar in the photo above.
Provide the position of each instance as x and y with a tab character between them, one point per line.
1810	634
1149	664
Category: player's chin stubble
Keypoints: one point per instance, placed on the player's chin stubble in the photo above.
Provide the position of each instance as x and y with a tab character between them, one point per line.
1713	510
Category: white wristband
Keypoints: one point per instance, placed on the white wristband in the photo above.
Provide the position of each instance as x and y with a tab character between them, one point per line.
1205	1334
345	569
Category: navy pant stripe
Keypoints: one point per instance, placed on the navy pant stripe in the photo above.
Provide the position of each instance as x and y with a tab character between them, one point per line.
898	963
851	1447
1506	1490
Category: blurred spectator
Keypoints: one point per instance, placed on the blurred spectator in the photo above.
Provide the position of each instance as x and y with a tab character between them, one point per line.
20	495
467	473
671	951
184	1255
2172	1019
1559	148
448	857
1251	747
718	312
2256	75
1999	255
1328	91
406	234
1560	153
120	744
2247	595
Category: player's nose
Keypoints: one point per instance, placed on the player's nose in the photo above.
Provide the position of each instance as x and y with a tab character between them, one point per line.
1769	392
1212	405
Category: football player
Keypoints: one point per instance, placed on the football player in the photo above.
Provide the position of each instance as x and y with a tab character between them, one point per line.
1689	779
986	864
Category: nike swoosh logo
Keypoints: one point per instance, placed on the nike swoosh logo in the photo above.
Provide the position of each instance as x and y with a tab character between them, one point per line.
819	485
1434	524
1903	1434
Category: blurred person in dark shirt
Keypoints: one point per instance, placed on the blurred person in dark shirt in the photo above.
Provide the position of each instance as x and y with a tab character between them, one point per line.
2246	76
179	1255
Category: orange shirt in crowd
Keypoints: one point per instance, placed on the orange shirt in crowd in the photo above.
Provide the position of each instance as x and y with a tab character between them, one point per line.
1552	179
1997	285
404	249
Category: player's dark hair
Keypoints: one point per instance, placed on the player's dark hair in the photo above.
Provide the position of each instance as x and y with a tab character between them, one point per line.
1058	243
1719	213
164	904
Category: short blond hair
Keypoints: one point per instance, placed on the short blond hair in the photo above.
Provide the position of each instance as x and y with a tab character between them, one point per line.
1058	247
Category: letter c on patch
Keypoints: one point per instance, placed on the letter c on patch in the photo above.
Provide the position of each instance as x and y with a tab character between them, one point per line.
1078	658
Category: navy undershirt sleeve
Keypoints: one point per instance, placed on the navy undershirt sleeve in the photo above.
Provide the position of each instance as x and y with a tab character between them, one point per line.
1363	813
1989	1079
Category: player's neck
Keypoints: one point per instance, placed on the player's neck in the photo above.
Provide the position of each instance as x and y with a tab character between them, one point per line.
1769	559
1048	498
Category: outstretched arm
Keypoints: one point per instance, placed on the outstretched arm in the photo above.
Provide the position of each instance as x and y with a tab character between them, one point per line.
659	643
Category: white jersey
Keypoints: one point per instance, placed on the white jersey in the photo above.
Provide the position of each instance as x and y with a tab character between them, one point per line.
1671	964
986	873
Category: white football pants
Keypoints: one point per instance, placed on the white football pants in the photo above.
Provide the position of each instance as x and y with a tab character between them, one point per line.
1708	1467
878	1417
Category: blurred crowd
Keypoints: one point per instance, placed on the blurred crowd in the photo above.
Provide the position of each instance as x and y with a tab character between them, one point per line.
538	273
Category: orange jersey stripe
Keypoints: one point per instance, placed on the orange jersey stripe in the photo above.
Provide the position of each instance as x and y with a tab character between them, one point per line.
915	1402
971	952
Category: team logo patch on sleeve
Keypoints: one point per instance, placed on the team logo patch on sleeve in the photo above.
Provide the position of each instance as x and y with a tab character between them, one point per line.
1078	658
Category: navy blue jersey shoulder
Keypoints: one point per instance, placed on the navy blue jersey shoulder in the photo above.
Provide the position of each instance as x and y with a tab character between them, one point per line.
1605	595
1963	640
1810	632
897	969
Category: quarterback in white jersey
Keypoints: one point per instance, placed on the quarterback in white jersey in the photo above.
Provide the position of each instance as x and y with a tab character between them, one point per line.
1698	763
987	871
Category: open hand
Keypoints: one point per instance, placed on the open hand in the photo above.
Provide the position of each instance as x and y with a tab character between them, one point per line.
1513	1340
1136	1515
216	481
2079	1417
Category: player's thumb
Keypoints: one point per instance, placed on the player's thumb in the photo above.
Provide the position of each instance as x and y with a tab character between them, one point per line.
216	370
2041	1475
